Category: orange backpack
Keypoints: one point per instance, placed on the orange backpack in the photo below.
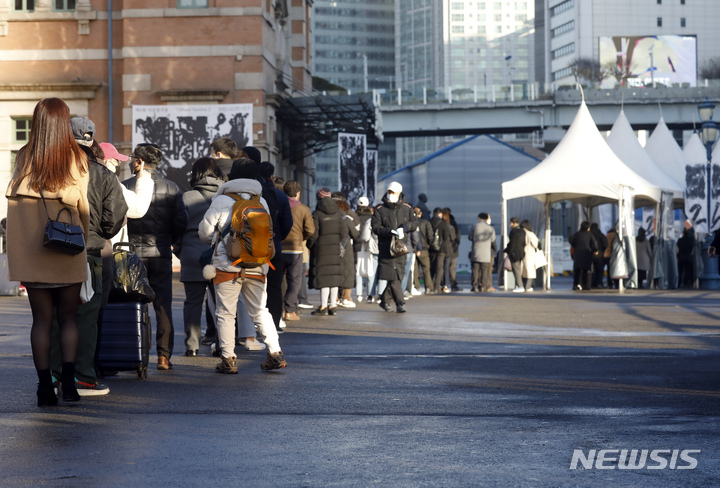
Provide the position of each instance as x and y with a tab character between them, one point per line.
250	242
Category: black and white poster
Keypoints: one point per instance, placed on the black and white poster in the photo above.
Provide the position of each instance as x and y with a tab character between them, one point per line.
351	166
696	196
185	132
371	158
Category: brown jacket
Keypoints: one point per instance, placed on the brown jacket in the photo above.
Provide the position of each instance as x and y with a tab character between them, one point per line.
28	260
303	227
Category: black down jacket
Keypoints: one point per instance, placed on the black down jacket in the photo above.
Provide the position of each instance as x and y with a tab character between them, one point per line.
326	265
387	218
107	207
164	222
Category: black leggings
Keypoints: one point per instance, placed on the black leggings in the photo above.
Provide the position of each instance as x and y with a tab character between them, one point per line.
42	301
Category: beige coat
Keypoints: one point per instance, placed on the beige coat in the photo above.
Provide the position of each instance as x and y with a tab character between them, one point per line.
28	260
531	247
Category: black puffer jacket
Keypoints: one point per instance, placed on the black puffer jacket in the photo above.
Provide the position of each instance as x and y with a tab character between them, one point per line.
387	218
446	233
107	207
164	222
326	265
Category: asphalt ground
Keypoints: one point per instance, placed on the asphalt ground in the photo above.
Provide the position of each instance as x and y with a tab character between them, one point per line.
464	390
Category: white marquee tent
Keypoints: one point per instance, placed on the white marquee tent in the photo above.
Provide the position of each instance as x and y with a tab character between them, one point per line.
583	169
663	149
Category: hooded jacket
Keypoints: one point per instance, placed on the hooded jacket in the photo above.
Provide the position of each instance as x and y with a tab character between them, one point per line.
190	247
326	265
218	217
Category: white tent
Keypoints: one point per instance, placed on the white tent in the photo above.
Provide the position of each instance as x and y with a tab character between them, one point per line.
582	168
624	143
663	149
694	150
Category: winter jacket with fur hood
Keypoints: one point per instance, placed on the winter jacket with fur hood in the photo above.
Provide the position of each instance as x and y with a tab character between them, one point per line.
218	217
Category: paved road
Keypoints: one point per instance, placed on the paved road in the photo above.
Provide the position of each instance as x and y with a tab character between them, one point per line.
462	391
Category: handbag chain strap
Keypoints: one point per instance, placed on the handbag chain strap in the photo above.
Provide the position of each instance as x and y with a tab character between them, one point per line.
45	205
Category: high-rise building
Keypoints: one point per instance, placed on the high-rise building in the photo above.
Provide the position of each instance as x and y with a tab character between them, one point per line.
462	46
580	29
353	45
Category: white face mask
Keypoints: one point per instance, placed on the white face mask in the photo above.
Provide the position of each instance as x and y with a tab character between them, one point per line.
393	197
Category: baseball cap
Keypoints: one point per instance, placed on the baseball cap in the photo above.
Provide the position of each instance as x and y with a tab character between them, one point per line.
395	187
110	152
83	130
363	202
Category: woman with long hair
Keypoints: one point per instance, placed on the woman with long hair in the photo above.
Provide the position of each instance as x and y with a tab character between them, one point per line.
50	174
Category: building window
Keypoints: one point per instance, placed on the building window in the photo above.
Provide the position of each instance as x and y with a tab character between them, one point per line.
481	5
659	2
498	29
682	2
24	5
192	4
458	18
498	17
561	7
659	21
458	29
64	5
520	5
562	51
562	29
481	29
21	130
497	5
458	5
682	21
521	17
561	73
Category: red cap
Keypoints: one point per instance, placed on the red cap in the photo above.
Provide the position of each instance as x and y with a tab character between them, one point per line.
112	153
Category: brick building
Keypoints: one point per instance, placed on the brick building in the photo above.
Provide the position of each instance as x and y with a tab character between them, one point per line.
163	52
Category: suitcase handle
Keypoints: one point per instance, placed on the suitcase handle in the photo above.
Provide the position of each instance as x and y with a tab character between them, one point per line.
118	245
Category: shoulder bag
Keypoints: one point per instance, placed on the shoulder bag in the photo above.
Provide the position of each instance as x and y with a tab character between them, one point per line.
61	236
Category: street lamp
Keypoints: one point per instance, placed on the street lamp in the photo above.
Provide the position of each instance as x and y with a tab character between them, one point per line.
710	279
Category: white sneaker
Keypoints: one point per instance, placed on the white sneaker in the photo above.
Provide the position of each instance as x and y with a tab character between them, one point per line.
255	345
305	305
416	292
529	289
283	324
359	299
519	289
346	303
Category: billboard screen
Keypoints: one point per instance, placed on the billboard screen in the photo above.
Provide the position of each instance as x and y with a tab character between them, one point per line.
639	60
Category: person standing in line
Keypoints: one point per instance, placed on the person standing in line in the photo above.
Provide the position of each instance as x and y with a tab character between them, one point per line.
437	257
515	250
107	216
361	248
607	257
598	263
644	256
225	151
205	180
51	174
422	255
482	236
292	248
282	220
230	281
326	265
685	246
449	244
153	236
455	250
394	218
531	249
585	247
353	223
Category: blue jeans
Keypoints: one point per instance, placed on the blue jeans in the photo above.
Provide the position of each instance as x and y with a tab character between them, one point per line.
409	265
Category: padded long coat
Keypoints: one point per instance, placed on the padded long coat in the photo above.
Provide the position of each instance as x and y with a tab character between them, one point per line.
387	218
326	265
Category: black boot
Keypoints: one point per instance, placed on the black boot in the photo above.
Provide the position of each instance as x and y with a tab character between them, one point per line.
70	393
45	392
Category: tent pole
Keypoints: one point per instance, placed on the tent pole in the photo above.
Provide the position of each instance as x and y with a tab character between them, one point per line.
501	264
547	249
619	235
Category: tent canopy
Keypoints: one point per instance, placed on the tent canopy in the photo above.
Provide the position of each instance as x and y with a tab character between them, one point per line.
582	168
623	142
663	149
694	150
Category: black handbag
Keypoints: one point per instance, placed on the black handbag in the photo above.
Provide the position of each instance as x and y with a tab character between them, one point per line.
61	236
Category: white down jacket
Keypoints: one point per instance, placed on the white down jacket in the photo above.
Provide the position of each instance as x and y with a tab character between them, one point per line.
218	217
